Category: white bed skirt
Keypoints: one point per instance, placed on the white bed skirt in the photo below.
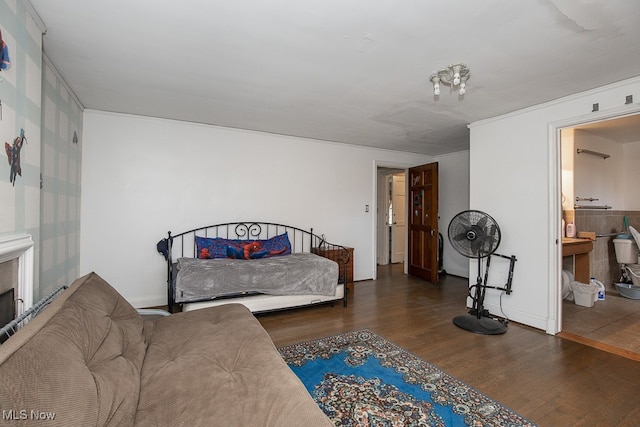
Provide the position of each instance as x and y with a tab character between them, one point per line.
262	303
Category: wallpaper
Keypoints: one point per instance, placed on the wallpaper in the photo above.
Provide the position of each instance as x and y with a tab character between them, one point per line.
42	124
60	198
20	99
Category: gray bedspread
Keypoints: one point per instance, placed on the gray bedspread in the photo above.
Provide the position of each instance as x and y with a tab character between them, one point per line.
295	274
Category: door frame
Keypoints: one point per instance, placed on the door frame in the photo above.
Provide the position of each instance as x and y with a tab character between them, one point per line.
385	239
382	241
374	223
394	230
554	321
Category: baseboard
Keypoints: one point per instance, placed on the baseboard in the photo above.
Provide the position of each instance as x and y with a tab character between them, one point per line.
517	316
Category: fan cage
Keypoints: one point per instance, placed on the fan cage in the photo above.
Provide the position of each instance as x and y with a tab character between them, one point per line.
474	234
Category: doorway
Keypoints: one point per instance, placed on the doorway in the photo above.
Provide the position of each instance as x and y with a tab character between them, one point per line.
391	218
397	213
579	184
417	233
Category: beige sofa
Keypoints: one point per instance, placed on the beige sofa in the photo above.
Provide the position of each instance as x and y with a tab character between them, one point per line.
89	359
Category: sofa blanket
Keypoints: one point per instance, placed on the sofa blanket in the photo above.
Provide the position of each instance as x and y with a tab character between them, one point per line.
295	274
89	359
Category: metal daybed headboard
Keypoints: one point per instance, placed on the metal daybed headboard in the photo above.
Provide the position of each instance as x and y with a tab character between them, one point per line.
183	244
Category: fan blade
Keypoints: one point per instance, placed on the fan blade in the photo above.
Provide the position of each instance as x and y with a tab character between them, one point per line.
460	236
476	245
463	220
485	245
488	243
482	222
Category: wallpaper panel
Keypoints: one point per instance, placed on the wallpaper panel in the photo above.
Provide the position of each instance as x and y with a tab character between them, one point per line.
60	195
20	98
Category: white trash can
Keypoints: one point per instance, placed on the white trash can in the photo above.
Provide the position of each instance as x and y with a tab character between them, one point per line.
584	294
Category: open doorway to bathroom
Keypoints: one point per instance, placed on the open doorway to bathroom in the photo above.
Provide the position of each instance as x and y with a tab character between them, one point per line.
598	190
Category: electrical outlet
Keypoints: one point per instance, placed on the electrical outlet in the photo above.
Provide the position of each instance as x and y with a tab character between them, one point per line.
366	208
629	99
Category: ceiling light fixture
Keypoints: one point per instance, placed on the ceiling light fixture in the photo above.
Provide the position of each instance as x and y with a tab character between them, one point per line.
455	75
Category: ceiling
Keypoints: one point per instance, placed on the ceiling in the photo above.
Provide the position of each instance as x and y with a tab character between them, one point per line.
351	71
624	129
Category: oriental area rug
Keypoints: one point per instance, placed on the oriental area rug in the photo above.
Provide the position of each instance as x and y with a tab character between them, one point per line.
361	379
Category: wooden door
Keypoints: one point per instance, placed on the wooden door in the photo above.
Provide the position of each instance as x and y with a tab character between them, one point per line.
423	221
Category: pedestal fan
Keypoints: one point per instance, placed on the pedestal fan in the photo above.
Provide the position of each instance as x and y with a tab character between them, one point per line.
475	234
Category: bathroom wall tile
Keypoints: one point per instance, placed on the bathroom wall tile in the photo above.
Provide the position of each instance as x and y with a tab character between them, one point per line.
603	259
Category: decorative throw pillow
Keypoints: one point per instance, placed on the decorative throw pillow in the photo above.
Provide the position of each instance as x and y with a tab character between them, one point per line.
254	249
242	249
278	245
208	247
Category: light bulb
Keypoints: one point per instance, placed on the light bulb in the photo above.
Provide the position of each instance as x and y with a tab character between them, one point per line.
463	84
436	84
456	78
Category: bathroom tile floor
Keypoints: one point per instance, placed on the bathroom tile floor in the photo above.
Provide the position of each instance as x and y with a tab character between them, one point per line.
614	321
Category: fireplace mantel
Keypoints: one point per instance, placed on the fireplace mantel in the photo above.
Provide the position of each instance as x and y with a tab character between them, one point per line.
20	247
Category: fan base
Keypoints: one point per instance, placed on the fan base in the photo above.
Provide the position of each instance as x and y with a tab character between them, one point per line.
483	325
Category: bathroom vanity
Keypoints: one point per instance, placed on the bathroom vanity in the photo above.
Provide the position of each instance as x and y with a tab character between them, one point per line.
579	249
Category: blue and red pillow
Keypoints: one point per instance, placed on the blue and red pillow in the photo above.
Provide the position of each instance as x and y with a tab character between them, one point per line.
219	247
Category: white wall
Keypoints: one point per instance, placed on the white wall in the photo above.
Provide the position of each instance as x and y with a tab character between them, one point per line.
613	181
631	175
567	150
514	176
453	195
595	177
142	177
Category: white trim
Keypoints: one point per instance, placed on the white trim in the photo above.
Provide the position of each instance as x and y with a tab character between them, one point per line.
255	132
554	319
395	165
382	239
577	96
20	247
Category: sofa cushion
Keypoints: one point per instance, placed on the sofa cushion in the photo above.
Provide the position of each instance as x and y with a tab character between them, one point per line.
218	367
79	360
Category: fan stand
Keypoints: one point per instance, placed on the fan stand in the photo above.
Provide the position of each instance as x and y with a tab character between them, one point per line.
477	320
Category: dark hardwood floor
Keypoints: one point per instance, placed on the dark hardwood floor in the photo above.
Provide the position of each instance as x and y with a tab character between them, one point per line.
549	380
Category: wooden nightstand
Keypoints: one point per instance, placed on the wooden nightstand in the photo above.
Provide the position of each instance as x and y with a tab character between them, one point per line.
334	254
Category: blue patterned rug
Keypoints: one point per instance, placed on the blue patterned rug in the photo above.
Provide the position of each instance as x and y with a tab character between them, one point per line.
361	379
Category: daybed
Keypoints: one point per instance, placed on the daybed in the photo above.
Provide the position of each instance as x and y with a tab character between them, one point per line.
90	359
264	266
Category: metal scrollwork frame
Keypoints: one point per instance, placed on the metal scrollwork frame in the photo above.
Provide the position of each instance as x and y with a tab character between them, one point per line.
183	245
